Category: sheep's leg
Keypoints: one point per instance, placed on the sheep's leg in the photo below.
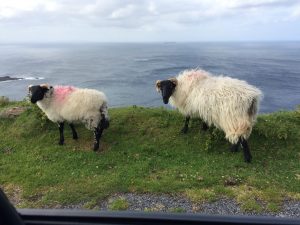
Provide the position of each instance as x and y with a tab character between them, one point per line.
186	125
247	154
74	133
97	135
235	147
61	133
99	130
96	138
204	126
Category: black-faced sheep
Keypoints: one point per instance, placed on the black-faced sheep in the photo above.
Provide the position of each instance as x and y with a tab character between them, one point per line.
66	103
229	104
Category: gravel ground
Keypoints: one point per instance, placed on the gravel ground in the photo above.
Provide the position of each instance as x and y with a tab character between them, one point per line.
180	204
149	202
166	203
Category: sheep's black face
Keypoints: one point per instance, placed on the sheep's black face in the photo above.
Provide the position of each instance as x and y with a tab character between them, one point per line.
37	93
167	88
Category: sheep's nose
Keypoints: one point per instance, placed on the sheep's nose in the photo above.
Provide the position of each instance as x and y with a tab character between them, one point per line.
165	100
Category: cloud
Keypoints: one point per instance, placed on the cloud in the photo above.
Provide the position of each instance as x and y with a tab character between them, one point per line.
15	8
126	13
295	13
150	16
263	4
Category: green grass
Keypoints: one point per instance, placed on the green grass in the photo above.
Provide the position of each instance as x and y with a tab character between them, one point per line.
143	151
201	195
177	210
118	204
3	101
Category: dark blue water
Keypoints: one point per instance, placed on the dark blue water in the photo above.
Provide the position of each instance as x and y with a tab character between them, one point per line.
127	72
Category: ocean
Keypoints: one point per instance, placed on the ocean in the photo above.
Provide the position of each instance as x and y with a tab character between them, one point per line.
127	72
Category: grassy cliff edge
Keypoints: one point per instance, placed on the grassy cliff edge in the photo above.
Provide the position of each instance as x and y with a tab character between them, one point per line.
144	152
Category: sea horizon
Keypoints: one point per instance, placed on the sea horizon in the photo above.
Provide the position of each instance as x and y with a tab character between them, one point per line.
127	72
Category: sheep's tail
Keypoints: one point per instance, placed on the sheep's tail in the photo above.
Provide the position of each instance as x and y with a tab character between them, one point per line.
248	125
243	127
253	109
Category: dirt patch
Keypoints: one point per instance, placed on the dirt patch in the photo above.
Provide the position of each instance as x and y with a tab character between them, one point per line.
12	112
14	193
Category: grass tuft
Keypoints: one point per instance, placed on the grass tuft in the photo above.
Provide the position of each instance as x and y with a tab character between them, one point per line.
201	195
177	210
4	100
118	204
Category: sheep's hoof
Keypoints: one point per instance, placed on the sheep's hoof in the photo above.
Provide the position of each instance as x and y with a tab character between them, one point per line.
204	127
184	130
61	142
75	137
234	148
96	147
248	159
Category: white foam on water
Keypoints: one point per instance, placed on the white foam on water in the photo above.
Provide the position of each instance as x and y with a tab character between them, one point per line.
32	78
18	78
142	60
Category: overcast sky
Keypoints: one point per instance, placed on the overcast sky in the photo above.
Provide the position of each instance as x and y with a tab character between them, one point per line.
148	20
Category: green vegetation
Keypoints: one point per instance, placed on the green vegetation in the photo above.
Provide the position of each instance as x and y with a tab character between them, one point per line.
118	204
177	210
143	151
3	100
201	195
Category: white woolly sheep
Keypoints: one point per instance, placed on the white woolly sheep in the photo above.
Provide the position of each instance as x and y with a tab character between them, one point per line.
67	103
227	103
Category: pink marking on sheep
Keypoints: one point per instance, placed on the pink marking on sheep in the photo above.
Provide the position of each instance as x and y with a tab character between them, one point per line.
195	75
61	92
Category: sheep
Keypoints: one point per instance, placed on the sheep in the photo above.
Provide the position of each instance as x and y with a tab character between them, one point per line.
229	104
71	104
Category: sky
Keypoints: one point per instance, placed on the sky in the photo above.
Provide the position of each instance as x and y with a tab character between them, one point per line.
149	20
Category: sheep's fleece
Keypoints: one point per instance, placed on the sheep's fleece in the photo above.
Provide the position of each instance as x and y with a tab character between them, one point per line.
74	104
229	104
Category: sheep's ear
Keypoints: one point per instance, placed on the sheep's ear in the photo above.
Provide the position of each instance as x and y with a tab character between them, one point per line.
157	85
173	80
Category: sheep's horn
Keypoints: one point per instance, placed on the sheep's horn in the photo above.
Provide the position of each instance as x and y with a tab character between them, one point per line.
44	86
158	83
173	80
29	87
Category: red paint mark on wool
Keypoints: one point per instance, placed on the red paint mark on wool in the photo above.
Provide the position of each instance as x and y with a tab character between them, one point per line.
60	92
194	74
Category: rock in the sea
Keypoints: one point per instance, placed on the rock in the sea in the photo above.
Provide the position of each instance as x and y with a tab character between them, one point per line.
5	78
